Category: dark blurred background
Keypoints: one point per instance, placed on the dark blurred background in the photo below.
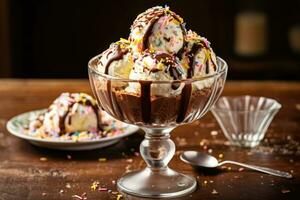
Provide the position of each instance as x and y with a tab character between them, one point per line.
259	39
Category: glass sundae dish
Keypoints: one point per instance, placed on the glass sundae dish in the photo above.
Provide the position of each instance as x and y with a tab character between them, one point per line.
161	77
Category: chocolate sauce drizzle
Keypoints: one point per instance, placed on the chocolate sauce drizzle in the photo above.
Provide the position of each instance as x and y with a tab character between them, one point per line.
185	97
148	32
191	55
172	67
184	103
187	90
150	17
113	101
146	101
115	53
87	102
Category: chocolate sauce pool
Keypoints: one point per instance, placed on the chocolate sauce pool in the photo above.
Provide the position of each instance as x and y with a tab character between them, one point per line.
145	96
143	108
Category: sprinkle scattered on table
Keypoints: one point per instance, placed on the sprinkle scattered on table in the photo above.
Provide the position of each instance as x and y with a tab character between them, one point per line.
202	143
283	191
215	192
102	159
95	185
119	196
128	168
68	185
114	193
103	189
43	159
181	141
80	197
214	133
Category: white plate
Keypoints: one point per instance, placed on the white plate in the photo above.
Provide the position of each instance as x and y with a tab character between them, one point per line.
17	124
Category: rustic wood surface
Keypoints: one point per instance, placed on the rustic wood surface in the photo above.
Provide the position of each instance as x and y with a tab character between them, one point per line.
63	174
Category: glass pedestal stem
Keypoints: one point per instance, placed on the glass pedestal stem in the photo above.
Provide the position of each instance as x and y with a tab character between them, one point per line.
157	149
157	180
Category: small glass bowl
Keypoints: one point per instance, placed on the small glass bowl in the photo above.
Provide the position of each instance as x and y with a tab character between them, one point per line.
245	119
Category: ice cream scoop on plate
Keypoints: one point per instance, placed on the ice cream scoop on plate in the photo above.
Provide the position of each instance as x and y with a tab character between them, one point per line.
72	122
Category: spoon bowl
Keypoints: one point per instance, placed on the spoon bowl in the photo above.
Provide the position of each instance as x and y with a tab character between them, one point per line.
200	159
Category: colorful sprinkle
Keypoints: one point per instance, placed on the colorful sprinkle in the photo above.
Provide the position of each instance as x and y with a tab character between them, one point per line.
43	159
102	159
119	196
95	185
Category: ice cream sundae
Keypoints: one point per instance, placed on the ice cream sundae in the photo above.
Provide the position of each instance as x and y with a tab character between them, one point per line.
159	48
161	76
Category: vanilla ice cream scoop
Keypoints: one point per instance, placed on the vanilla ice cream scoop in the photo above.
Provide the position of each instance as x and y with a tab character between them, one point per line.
70	112
198	57
117	60
158	29
157	67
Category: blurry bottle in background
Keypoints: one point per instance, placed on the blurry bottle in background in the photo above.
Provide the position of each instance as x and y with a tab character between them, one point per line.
294	30
294	38
251	29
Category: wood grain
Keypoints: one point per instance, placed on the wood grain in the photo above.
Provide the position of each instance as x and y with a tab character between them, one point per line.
64	174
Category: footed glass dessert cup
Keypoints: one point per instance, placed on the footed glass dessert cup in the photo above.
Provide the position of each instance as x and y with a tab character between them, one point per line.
157	107
245	119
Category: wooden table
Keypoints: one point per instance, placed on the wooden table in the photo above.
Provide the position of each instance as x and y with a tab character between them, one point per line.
61	174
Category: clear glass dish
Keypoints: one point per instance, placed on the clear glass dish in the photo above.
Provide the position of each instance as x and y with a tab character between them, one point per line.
245	119
157	116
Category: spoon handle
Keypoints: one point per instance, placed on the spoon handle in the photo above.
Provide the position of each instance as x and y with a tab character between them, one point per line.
261	169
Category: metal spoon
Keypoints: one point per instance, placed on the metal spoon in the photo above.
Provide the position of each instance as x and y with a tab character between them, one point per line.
196	158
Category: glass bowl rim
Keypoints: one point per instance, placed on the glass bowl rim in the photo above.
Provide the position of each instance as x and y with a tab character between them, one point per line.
214	109
189	80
